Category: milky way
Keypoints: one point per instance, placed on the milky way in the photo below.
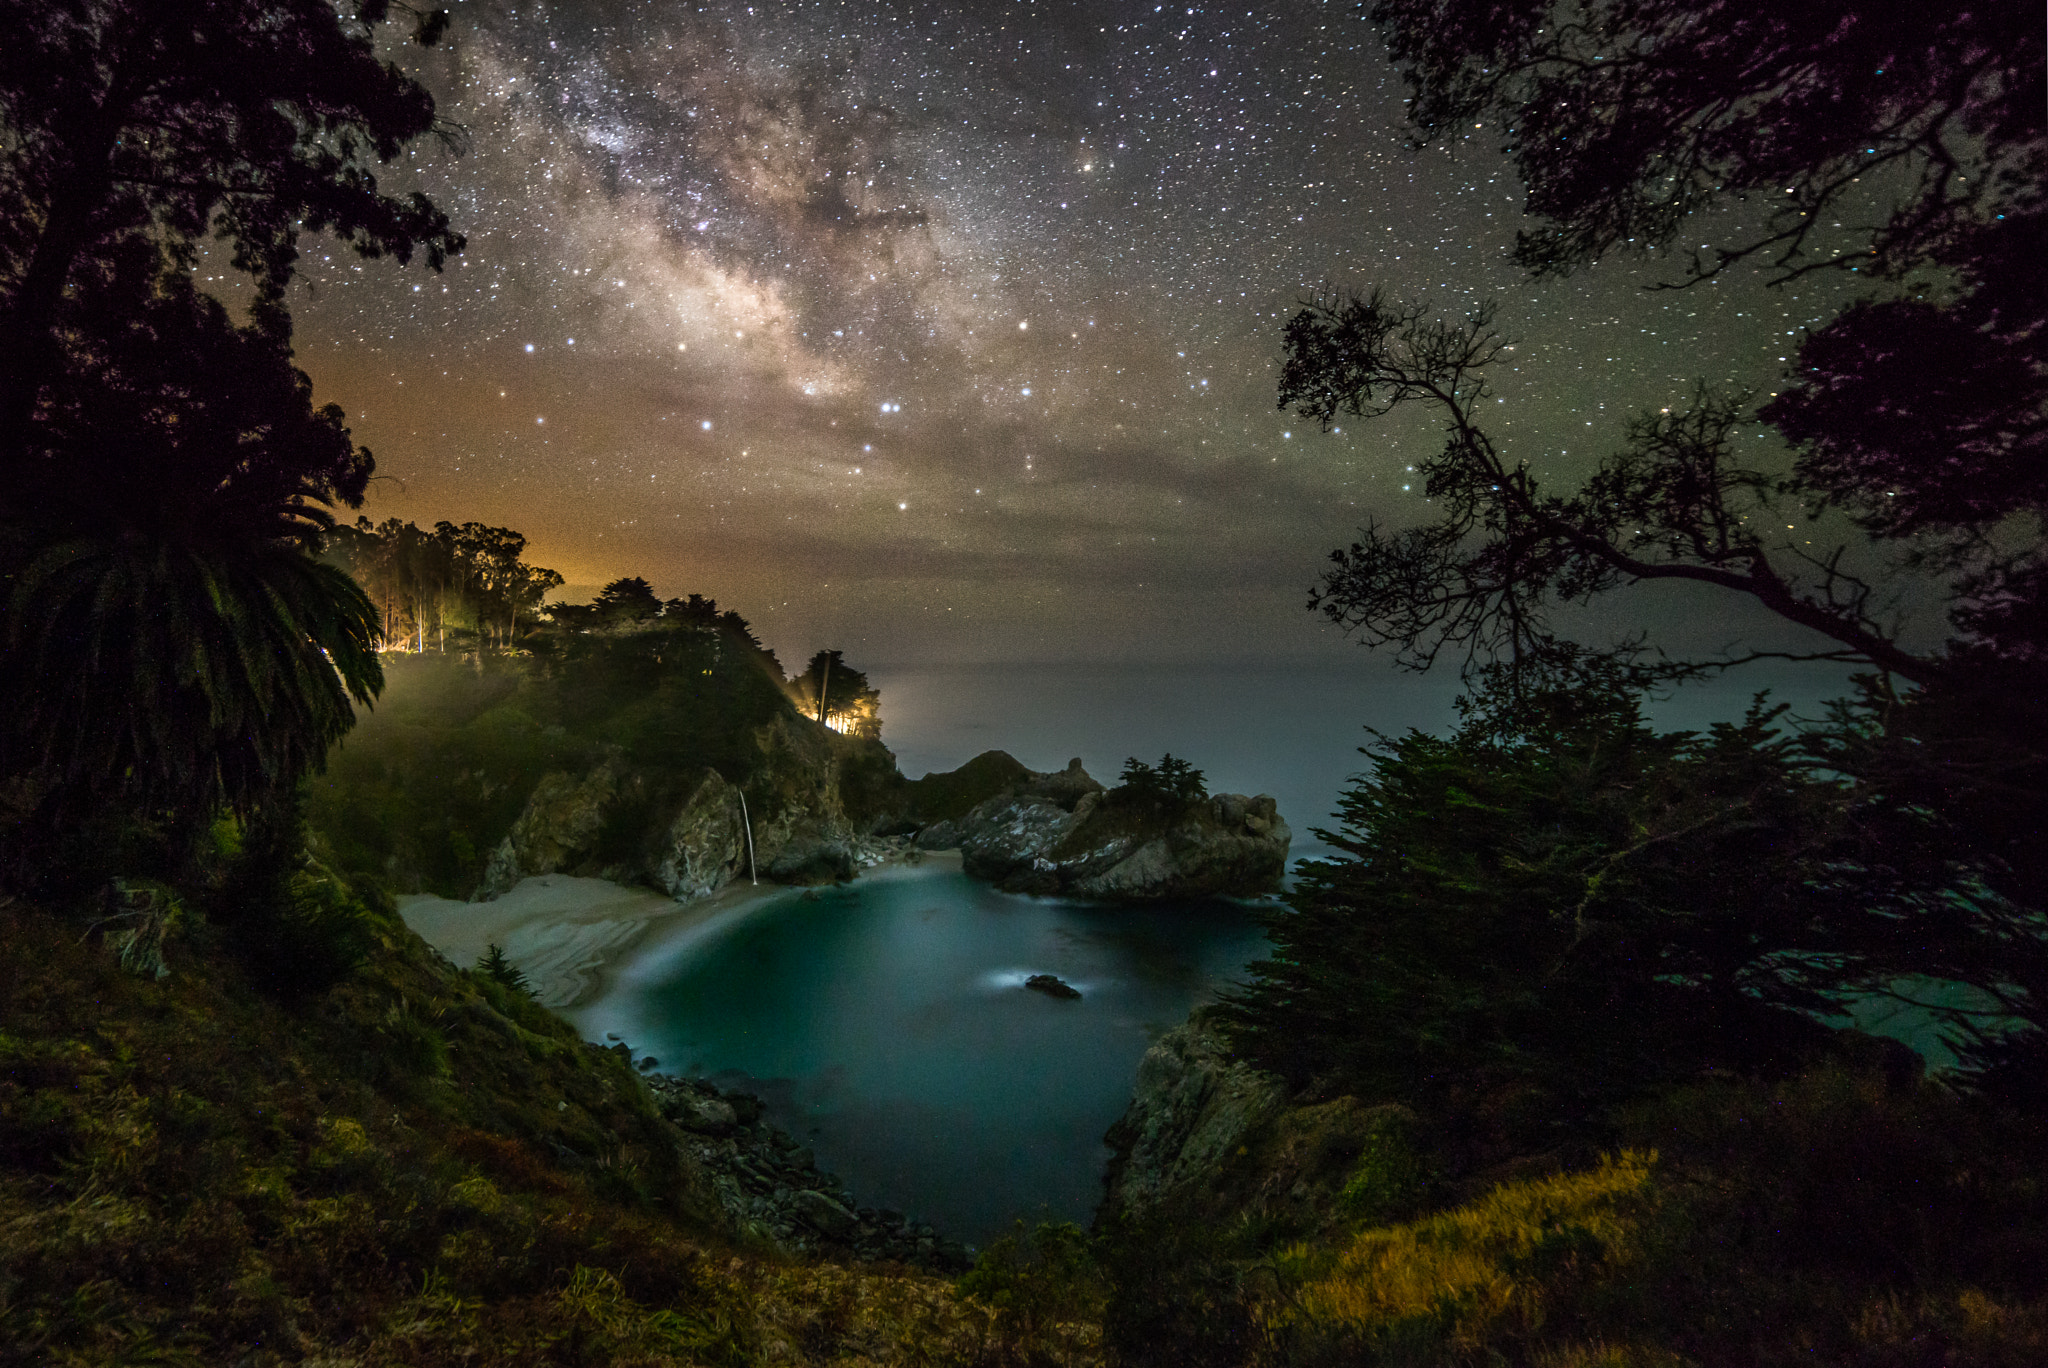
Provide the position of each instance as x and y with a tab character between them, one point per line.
951	332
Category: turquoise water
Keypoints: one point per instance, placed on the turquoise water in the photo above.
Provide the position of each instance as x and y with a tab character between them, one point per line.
886	1024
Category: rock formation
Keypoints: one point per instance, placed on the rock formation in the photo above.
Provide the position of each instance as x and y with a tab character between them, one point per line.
769	1186
687	835
1062	833
561	820
706	842
1192	1107
1209	1141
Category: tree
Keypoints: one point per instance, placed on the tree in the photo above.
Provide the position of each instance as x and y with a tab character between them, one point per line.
1916	413
628	600
838	695
471	576
1920	416
1521	917
171	645
136	122
493	965
1173	781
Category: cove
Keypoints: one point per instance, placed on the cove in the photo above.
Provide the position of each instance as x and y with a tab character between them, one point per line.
885	1022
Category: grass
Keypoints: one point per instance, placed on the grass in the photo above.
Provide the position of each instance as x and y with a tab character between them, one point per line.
1455	1283
1837	1215
418	1166
421	1166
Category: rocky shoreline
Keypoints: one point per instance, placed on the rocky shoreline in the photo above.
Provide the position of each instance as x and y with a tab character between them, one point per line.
1057	833
1063	834
769	1186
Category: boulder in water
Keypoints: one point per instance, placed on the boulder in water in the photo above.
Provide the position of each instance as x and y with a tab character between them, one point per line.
1051	986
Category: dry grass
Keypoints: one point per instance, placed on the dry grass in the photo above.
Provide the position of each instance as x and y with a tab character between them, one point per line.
1475	1274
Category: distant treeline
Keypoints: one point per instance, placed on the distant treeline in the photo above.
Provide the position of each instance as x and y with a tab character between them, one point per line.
462	585
465	588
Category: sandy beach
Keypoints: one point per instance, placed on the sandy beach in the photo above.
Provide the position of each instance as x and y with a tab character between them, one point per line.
571	936
567	935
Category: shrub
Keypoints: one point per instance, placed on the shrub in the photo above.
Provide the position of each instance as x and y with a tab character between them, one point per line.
493	965
1466	1281
1176	1299
297	926
1044	1288
1389	1179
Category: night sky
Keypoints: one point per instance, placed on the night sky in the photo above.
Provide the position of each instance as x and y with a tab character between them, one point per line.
950	333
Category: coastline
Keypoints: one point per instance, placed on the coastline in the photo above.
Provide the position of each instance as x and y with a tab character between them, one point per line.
572	937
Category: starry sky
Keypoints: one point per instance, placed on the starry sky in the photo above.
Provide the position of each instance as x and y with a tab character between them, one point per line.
949	333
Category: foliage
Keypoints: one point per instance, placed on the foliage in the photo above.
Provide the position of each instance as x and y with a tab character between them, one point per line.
191	1172
838	695
1915	418
157	677
470	578
493	965
416	792
1519	925
255	120
163	472
1920	408
297	927
169	645
1173	782
1390	1177
1707	1223
1484	579
1045	1291
1439	1289
422	792
1176	1299
147	912
1742	98
631	599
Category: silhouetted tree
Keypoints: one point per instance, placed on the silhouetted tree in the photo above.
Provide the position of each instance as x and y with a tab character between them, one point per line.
835	693
1527	913
1922	415
493	965
1172	782
134	121
1918	410
470	577
164	476
626	601
169	641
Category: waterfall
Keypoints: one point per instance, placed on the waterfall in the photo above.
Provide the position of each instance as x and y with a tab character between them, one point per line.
748	822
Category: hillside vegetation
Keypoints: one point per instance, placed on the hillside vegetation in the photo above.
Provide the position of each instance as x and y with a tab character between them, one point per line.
1850	1211
417	1166
428	783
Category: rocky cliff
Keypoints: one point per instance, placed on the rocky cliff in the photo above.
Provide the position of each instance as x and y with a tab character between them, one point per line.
768	1184
1210	1142
688	834
1192	1106
1063	833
